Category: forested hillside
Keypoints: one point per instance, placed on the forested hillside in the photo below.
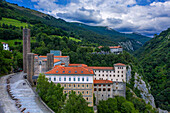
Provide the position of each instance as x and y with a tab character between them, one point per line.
154	57
98	35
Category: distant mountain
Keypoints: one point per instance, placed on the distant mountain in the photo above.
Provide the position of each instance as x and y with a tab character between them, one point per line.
154	56
101	35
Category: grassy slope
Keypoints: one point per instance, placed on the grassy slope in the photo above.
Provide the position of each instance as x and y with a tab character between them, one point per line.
13	22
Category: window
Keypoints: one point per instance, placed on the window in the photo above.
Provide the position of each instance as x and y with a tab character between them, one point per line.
116	79
118	67
81	71
87	79
83	79
113	75
104	85
99	71
82	92
95	89
103	75
108	89
82	85
95	85
107	75
103	71
99	75
74	85
122	71
69	72
78	78
75	71
110	75
117	75
69	78
99	89
49	78
87	98
59	78
104	89
69	85
56	71
118	71
87	92
108	84
78	85
64	91
87	85
54	79
108	95
64	78
110	71
122	75
74	79
116	87
63	71
99	84
113	71
64	85
78	92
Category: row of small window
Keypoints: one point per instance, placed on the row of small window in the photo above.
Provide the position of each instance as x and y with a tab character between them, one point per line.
110	71
120	67
74	79
110	75
74	85
78	92
107	79
104	89
101	85
100	89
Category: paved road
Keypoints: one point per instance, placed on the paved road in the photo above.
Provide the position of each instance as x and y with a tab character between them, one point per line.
22	91
7	105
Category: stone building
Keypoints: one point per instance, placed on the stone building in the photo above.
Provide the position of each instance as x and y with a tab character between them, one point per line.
103	89
78	79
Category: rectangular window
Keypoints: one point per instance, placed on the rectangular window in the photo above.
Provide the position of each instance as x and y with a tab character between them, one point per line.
104	89
99	89
69	78
83	79
54	79
87	85
59	78
87	92
49	78
82	85
64	78
74	79
79	79
108	89
78	85
87	79
95	89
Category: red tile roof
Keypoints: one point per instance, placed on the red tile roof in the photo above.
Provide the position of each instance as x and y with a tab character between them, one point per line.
100	68
69	70
60	56
112	47
35	54
3	43
119	64
77	65
102	81
55	60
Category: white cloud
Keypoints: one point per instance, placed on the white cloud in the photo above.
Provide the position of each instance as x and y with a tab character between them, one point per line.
122	15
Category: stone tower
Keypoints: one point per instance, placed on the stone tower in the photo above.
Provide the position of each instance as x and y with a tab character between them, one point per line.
26	47
30	67
50	61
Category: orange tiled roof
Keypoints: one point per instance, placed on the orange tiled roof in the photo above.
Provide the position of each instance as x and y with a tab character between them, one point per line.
35	54
36	57
120	64
69	70
3	43
102	81
76	65
104	68
100	47
112	47
60	56
55	60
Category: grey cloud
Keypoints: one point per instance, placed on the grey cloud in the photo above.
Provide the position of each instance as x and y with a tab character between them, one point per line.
114	21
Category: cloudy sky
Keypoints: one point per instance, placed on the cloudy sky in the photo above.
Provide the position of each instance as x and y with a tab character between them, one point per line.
147	17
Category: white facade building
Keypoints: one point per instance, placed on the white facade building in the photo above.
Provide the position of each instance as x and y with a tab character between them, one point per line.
5	46
116	49
116	73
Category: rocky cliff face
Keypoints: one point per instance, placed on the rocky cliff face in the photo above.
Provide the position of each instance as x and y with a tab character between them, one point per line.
141	85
